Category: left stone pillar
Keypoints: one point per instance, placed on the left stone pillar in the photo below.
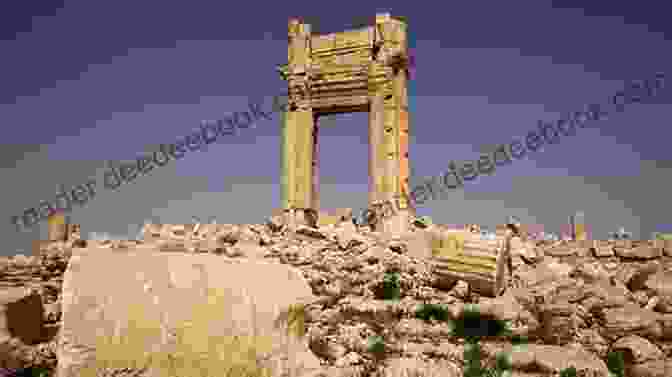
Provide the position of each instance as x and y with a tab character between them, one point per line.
299	133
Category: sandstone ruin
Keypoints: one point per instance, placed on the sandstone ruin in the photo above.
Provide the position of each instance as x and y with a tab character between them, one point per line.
575	301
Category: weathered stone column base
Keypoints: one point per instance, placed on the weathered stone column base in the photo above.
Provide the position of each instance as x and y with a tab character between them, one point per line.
397	224
301	216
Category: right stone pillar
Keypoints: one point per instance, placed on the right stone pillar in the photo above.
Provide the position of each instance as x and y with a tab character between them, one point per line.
388	127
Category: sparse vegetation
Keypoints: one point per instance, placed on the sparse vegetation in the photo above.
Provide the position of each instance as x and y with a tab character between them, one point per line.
423	221
472	326
662	236
616	364
32	371
568	372
429	311
376	346
390	288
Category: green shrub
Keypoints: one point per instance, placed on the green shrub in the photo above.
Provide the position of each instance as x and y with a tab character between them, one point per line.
662	236
473	325
472	359
568	372
616	364
390	288
423	222
376	346
502	364
429	311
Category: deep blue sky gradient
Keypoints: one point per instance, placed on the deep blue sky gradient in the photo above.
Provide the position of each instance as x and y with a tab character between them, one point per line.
88	81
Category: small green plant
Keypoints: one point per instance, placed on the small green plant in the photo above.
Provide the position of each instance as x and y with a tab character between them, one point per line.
472	359
390	289
568	372
616	364
662	236
503	363
429	311
423	222
376	346
472	326
31	371
39	372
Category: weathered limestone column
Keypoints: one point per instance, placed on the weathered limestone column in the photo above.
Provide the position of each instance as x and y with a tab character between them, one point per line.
316	167
298	132
388	128
298	181
376	148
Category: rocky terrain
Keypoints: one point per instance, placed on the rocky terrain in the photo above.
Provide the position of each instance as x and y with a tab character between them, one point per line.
574	302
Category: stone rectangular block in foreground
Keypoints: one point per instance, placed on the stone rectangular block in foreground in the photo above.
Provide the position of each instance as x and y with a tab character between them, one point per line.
104	291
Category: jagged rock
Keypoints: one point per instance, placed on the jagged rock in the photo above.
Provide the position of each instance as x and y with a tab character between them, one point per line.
404	367
544	272
14	354
592	272
658	368
582	300
637	349
310	232
553	359
663	304
562	250
559	323
602	295
603	249
630	320
665	321
592	341
640	274
639	252
660	284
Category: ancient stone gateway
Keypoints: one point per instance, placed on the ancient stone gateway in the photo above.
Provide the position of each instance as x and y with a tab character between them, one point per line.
364	70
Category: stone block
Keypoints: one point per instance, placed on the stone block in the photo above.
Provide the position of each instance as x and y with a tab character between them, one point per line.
460	255
151	297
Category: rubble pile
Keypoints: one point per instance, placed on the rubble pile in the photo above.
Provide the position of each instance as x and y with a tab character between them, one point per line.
574	302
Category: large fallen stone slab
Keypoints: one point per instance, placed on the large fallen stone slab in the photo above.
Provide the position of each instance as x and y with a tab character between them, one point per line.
150	299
